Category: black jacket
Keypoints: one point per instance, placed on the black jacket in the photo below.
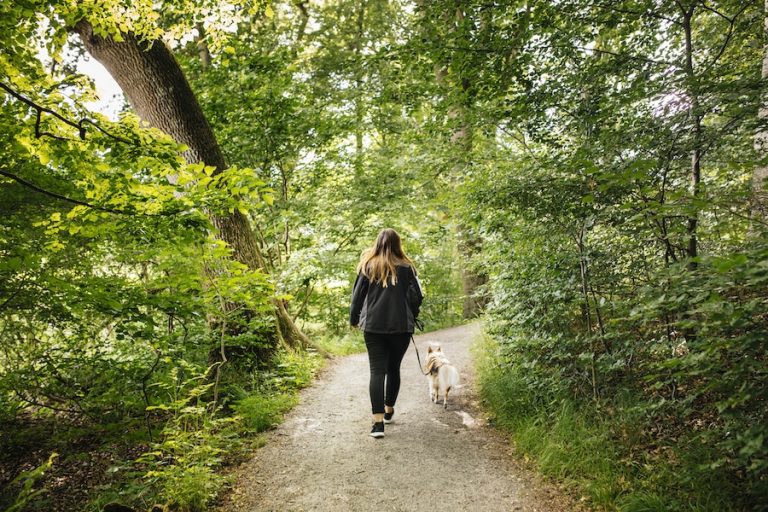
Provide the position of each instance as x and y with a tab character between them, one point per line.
393	309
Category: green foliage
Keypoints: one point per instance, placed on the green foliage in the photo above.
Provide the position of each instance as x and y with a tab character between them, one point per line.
27	480
628	304
183	465
294	370
598	449
114	290
260	413
587	166
349	343
283	105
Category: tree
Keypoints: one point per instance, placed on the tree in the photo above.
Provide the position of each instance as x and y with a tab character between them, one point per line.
449	29
760	207
622	162
159	92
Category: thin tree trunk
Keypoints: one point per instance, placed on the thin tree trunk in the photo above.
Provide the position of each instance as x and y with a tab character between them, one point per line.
586	312
469	243
471	281
159	93
463	140
359	104
695	174
202	46
302	6
759	199
692	251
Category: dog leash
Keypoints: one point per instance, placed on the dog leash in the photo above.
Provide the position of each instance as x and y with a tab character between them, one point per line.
418	358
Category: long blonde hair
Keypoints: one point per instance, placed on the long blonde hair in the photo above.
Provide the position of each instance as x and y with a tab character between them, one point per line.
378	262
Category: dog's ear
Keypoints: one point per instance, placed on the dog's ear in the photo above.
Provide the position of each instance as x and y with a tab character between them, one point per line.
429	350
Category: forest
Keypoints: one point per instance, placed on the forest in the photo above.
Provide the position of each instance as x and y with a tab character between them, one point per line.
587	177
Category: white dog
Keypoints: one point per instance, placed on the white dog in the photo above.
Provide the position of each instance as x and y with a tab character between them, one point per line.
443	377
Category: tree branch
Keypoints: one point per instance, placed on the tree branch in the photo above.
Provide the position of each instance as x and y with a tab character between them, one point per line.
649	13
560	46
34	187
728	36
61	197
302	6
80	126
624	55
718	13
9	299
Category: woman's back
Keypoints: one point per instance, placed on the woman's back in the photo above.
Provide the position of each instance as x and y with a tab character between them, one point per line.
387	309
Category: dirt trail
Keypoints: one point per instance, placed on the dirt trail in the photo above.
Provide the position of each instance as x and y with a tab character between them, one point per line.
322	458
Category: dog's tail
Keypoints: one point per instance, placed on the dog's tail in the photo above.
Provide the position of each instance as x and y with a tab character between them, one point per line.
450	377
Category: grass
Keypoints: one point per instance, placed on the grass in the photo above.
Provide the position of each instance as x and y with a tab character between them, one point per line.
598	450
350	343
346	344
262	412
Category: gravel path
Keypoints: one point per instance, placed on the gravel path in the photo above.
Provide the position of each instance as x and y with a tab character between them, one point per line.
322	459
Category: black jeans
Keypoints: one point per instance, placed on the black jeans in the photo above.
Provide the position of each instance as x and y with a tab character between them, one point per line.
385	353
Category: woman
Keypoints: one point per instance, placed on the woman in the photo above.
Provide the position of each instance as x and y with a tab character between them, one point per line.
385	303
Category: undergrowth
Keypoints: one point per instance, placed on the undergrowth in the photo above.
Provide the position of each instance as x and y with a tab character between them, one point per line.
601	450
348	343
186	467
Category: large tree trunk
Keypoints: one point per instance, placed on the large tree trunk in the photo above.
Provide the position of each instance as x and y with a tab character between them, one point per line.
159	93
